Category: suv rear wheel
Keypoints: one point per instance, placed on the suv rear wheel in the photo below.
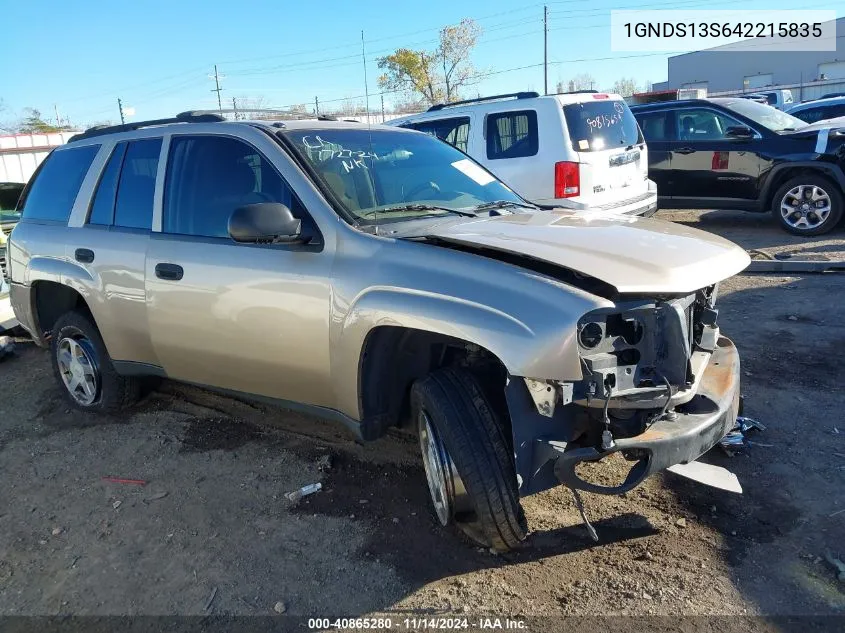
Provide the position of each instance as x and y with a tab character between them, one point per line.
808	205
468	464
84	370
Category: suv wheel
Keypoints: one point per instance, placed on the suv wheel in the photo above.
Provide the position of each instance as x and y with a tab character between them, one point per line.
808	205
468	464
84	370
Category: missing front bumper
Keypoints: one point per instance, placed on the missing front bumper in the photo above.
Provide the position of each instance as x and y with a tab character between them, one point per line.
545	456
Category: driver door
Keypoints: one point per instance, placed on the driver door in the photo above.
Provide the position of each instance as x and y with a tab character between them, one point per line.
252	318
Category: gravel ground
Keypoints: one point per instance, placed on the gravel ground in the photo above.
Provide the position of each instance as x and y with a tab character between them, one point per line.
212	533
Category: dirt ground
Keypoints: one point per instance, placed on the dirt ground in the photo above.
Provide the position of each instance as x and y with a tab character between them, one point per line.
212	533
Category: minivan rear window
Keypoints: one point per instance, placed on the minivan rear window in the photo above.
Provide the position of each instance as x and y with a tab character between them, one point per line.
600	125
52	194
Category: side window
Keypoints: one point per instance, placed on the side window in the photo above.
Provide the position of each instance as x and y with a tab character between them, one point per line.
655	126
54	190
454	131
208	177
134	204
703	125
102	206
512	134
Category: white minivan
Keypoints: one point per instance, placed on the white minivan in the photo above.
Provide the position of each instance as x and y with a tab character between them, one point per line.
582	150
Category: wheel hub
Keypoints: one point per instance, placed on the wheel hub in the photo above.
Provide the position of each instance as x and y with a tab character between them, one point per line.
78	369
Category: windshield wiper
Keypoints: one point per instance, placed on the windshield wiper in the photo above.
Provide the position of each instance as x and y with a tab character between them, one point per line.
416	207
501	204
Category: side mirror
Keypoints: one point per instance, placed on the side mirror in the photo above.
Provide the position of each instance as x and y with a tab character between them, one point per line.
739	132
264	222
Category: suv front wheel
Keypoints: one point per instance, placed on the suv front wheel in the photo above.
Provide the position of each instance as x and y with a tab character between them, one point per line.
84	370
808	205
468	463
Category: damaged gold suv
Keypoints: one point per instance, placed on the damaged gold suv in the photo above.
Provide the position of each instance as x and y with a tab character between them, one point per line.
380	277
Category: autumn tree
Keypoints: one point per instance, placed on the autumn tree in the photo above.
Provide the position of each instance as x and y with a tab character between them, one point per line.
436	75
625	87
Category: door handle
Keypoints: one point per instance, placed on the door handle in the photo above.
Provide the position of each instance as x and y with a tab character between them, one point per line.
84	255
171	272
684	150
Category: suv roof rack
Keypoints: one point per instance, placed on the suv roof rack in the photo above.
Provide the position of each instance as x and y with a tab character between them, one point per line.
578	92
192	116
510	95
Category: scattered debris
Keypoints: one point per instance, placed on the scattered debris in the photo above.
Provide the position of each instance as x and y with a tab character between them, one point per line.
155	497
682	522
7	346
709	475
736	440
116	504
57	531
280	607
211	599
833	514
120	480
310	489
792	317
786	263
363	501
837	564
580	505
324	463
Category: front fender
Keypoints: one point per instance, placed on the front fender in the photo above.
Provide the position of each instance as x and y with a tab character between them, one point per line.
544	348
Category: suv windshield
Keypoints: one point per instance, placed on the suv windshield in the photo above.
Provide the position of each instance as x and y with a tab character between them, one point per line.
600	125
764	115
391	175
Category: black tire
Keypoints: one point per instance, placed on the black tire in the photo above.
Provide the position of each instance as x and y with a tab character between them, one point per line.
830	188
112	392
476	442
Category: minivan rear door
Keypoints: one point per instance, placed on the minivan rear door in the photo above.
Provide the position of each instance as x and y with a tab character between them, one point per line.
611	152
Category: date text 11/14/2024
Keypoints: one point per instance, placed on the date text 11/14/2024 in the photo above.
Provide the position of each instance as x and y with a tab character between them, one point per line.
418	624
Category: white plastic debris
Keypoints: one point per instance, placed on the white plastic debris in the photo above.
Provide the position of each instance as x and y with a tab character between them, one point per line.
310	489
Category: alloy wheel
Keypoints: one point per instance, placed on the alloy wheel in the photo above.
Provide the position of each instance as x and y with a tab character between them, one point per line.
805	207
444	483
78	369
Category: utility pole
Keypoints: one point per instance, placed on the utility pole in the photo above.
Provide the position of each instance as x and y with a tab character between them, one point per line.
217	89
382	108
316	107
120	107
58	120
545	49
235	107
366	89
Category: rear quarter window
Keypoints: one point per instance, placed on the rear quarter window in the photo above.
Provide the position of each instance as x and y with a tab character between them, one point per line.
57	183
601	125
512	134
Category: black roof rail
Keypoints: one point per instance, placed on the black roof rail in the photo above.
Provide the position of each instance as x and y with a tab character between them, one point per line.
578	92
193	116
510	95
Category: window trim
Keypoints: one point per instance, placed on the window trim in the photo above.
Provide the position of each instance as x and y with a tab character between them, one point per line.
532	113
317	242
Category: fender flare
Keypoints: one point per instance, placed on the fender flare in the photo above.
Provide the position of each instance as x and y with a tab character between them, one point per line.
831	170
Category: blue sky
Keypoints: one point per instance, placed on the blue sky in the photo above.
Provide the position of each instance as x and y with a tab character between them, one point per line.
156	56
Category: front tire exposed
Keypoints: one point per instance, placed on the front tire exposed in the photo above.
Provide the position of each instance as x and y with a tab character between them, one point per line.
469	465
808	205
83	369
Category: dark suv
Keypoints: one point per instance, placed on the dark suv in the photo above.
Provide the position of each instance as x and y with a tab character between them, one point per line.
733	153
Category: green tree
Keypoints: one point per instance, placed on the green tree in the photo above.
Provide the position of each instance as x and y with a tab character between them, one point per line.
32	123
625	87
436	75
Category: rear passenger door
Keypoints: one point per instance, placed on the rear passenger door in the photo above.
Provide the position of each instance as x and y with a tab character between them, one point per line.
511	151
253	318
111	245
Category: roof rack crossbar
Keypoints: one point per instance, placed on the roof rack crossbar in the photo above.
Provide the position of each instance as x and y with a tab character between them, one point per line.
510	95
183	117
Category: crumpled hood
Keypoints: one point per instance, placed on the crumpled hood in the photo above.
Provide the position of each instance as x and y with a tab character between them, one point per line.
635	255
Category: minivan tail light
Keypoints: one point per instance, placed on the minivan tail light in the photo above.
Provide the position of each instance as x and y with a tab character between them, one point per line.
601	95
567	180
